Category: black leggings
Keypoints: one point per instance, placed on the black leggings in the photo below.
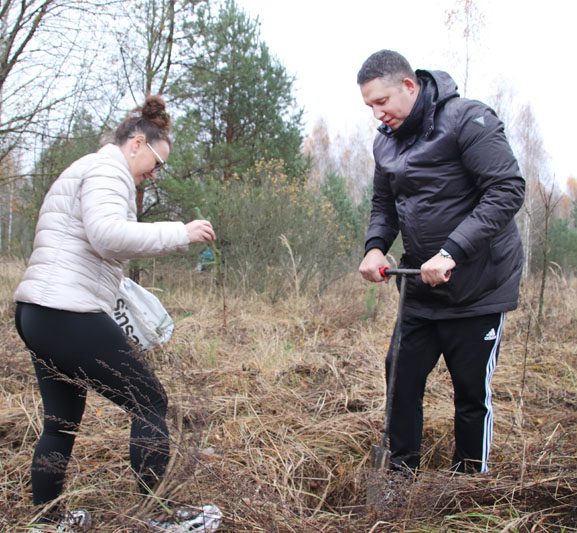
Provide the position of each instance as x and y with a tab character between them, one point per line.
73	351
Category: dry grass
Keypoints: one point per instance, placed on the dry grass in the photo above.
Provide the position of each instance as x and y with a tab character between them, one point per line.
273	416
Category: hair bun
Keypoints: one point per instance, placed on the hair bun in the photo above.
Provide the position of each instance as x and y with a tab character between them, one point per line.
150	118
154	110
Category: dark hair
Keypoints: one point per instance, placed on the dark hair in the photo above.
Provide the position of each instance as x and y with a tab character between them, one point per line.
150	119
386	64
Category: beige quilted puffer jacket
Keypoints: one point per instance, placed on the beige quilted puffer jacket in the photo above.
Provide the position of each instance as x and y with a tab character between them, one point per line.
86	229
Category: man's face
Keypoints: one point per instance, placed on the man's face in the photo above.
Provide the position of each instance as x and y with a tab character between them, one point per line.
391	102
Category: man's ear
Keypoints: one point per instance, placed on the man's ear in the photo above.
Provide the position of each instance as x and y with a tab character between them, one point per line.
410	85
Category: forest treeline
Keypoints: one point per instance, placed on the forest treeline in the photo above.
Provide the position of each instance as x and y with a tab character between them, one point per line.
289	210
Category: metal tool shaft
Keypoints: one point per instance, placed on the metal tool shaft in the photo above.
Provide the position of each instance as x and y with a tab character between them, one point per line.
381	454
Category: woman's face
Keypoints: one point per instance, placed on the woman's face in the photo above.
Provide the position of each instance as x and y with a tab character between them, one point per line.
147	158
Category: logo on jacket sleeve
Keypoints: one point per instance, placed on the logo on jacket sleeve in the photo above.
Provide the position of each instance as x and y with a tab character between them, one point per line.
491	335
480	120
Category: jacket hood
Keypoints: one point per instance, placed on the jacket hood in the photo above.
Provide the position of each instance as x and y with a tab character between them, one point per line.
439	87
445	85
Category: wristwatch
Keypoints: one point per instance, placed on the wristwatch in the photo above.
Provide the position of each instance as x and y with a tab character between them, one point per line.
444	253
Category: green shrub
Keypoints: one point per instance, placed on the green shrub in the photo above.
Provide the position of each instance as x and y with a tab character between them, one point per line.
274	234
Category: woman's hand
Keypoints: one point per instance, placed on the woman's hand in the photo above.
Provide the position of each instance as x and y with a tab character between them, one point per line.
200	231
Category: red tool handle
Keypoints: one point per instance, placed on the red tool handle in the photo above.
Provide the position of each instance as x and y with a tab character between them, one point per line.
384	271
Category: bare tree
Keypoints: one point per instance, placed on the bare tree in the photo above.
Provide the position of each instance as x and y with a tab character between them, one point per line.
348	156
571	186
7	202
317	147
147	54
54	63
355	159
542	198
533	160
45	61
19	23
550	197
469	20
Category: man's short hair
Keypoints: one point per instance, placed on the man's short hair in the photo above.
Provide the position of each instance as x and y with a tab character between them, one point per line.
386	64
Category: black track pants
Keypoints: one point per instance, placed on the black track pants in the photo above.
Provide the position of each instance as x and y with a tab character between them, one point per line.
73	351
470	347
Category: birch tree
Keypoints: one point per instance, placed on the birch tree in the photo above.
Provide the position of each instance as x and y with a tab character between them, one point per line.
468	20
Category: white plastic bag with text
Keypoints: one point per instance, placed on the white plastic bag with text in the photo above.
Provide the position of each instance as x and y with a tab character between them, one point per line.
141	316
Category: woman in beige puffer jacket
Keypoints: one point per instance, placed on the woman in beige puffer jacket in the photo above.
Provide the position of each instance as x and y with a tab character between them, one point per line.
86	229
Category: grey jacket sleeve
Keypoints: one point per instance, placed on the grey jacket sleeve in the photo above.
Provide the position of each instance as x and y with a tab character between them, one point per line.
105	204
487	156
384	222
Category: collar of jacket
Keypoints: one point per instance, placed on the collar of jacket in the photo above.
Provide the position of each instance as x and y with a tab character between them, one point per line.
114	152
412	124
436	88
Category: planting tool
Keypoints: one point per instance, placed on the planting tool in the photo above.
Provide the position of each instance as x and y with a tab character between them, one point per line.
381	454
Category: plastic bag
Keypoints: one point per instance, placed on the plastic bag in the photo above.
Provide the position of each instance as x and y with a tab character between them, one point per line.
207	520
141	316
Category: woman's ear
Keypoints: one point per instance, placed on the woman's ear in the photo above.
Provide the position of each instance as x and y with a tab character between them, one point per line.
138	140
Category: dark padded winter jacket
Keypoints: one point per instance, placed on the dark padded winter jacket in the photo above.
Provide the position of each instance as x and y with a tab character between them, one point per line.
447	178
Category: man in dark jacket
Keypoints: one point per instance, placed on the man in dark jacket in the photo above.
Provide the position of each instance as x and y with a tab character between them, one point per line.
446	178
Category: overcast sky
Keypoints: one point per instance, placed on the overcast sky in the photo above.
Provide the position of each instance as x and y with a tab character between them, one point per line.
528	46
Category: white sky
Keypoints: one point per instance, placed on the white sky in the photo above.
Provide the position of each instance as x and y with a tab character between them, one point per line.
529	46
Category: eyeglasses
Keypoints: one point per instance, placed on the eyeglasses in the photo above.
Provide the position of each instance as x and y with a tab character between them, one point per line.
159	161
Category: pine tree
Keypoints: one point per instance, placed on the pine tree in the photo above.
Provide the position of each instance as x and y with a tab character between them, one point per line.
237	101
